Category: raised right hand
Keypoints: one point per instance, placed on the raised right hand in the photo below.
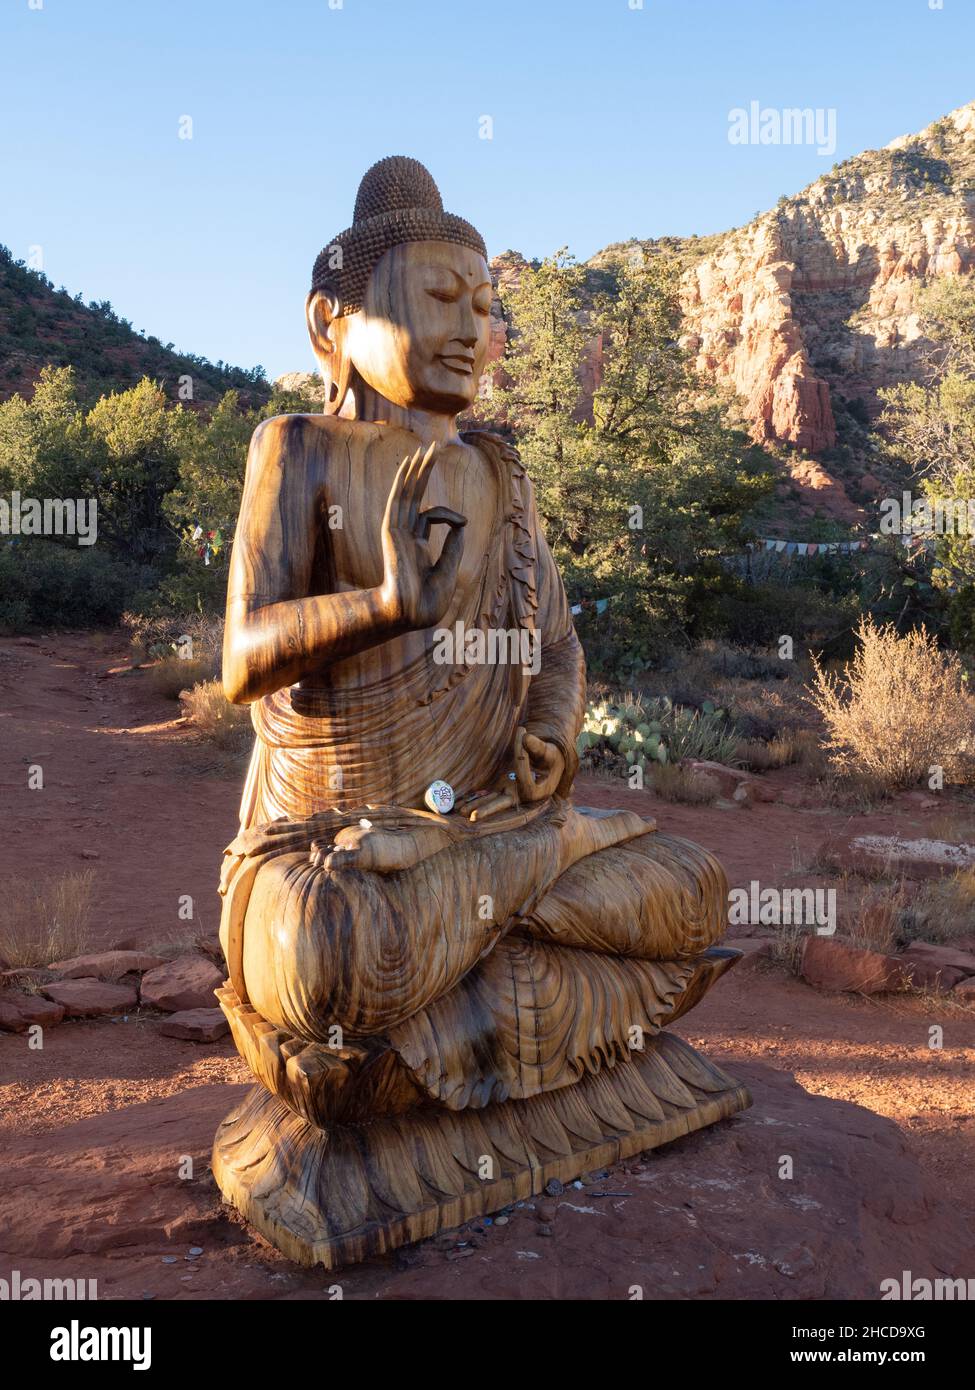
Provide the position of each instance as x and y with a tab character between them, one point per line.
415	593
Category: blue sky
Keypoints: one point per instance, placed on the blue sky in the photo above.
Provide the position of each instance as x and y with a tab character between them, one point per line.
609	121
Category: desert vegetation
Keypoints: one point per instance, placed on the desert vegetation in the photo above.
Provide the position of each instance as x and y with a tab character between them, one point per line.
900	710
853	666
45	921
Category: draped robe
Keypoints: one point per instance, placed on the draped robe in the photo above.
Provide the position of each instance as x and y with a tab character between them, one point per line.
501	958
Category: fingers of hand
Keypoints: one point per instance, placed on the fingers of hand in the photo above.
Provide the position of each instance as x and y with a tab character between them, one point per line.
397	504
435	516
491	805
523	770
418	482
541	752
395	499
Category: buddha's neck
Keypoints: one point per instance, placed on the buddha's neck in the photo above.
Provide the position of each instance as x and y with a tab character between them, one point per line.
363	403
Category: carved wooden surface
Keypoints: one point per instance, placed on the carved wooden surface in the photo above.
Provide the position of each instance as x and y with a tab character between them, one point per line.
339	1196
360	1081
416	992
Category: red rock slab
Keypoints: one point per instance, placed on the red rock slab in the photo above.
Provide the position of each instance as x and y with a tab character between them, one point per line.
36	1009
926	974
187	982
91	998
948	957
734	784
196	1025
19	1011
105	965
757	951
965	990
833	965
750	790
728	778
11	1019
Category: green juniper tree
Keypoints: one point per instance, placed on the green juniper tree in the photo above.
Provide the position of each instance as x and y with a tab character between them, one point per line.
928	427
641	482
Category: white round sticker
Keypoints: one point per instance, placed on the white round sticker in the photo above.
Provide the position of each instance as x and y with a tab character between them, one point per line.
439	797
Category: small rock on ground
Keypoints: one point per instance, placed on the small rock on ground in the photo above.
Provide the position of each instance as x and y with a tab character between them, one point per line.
196	1025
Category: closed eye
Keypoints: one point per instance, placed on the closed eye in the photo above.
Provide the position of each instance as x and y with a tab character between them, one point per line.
445	296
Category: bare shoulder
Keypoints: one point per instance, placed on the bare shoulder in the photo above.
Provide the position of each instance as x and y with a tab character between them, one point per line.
300	442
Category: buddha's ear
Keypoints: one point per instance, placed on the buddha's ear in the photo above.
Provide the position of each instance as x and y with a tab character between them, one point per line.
325	328
321	312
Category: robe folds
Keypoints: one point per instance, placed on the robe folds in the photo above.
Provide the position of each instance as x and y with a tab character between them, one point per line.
321	745
505	959
500	958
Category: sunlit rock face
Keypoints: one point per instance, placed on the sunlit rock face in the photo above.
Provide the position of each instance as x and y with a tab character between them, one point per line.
811	308
820	295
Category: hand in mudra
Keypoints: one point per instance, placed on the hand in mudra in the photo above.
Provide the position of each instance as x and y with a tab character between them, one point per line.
538	769
415	592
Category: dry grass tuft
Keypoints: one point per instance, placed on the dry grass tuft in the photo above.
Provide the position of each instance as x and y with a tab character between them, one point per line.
173	674
943	909
877	921
674	783
47	921
212	715
858	792
787	946
900	709
789	746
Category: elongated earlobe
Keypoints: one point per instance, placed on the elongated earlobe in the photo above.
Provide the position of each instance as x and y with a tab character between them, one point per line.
325	329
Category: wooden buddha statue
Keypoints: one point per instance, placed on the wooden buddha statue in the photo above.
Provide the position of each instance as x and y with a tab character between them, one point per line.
445	1006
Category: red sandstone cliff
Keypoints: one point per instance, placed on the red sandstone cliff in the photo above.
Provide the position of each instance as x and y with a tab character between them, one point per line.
819	296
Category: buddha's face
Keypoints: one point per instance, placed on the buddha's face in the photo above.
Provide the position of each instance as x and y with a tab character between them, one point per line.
421	337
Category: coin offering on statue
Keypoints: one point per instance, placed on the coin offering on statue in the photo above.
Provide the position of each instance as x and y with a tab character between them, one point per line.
439	796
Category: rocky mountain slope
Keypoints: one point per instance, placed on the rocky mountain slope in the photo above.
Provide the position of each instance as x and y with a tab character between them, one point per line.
810	309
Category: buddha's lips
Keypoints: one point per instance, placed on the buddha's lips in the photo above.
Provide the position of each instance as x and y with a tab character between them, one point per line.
455	362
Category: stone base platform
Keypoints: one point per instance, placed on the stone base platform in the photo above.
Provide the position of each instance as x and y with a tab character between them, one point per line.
337	1195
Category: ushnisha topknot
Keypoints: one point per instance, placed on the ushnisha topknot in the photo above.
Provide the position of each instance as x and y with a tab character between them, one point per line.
398	201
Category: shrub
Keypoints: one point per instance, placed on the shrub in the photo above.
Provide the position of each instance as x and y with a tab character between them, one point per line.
45	922
45	584
159	634
900	709
757	615
764	714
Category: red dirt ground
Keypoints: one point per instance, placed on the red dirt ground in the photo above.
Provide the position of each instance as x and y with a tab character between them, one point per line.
94	1127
